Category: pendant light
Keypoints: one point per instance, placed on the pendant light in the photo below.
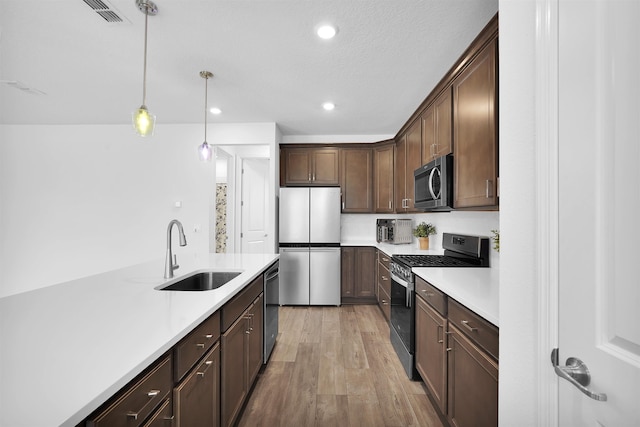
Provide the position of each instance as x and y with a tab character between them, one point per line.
205	151
143	120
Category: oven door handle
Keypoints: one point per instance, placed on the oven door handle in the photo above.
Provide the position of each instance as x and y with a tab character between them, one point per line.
407	285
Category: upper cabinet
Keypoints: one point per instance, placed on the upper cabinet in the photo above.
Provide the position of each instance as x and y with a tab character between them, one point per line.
437	123
383	170
310	166
475	135
408	159
356	179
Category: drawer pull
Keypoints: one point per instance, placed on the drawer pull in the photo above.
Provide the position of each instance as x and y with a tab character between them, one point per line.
208	336
208	363
151	394
385	278
385	259
384	302
427	293
200	345
465	323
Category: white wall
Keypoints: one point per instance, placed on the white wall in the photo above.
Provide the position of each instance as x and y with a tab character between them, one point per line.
79	200
520	355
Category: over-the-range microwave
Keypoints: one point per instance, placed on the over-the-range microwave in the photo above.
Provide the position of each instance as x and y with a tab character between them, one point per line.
433	189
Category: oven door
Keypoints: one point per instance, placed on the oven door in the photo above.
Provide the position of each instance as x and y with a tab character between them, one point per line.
402	310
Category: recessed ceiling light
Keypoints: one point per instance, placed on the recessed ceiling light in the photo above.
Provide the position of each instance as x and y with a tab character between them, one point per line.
326	31
215	110
328	106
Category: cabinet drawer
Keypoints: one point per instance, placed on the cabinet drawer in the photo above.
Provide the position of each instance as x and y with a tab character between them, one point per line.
163	416
384	259
191	348
384	301
384	278
431	295
481	332
139	400
238	304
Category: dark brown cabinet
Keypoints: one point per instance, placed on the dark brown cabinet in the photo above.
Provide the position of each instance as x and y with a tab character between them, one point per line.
358	274
310	166
356	180
408	159
383	280
472	383
383	167
431	352
475	131
241	348
437	123
457	357
197	398
138	401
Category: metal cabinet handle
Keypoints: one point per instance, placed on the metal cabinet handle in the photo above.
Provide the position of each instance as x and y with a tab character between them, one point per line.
384	302
151	394
427	293
440	340
488	189
389	204
208	336
385	259
384	278
465	323
200	345
208	363
577	373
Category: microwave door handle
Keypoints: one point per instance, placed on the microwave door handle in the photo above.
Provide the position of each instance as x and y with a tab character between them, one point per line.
433	195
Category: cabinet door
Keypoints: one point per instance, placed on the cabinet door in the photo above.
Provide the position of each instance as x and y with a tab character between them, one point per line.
400	173
347	272
256	335
356	179
413	160
197	398
297	166
234	347
472	383
365	268
475	132
444	123
325	166
429	139
431	351
383	179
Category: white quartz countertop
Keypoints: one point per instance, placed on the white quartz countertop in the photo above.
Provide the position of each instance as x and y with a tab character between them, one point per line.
66	349
476	288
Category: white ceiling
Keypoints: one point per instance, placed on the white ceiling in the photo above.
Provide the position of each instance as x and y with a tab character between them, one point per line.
268	63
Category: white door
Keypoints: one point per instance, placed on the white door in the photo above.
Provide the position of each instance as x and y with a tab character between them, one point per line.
599	209
255	206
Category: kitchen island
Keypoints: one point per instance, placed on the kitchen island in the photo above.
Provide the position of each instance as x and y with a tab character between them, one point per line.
66	349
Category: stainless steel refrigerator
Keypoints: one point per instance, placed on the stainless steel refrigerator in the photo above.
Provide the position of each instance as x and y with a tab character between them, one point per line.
309	236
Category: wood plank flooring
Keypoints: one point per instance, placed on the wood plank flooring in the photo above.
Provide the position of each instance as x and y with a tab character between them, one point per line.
335	366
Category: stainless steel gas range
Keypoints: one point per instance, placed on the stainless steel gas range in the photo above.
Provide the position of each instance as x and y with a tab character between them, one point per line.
459	251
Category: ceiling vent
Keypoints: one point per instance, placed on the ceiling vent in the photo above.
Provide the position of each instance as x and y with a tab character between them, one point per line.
106	11
22	87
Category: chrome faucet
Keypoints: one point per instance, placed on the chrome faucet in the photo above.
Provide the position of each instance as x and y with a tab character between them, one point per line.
170	262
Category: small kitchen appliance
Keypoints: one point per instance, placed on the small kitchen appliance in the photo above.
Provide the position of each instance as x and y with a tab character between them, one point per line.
395	231
459	251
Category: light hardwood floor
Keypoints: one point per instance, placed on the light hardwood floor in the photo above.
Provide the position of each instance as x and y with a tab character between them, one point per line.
335	366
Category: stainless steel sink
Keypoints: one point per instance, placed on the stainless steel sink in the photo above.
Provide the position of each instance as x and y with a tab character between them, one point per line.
204	281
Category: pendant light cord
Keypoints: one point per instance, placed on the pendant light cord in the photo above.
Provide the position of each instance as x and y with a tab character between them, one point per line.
144	72
206	81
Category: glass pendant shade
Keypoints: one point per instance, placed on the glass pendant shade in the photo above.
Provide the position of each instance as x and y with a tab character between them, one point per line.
205	152
143	121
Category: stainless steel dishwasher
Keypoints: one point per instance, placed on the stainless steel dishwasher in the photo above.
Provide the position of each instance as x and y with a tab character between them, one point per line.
271	304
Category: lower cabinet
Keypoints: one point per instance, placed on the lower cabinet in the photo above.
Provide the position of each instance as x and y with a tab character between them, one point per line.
383	282
241	346
457	357
358	283
204	379
197	397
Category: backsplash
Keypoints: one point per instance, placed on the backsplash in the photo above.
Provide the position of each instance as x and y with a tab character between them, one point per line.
362	228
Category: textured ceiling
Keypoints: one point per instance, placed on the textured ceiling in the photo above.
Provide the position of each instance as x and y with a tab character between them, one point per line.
268	63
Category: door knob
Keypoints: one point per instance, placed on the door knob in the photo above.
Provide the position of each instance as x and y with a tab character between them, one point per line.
577	373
